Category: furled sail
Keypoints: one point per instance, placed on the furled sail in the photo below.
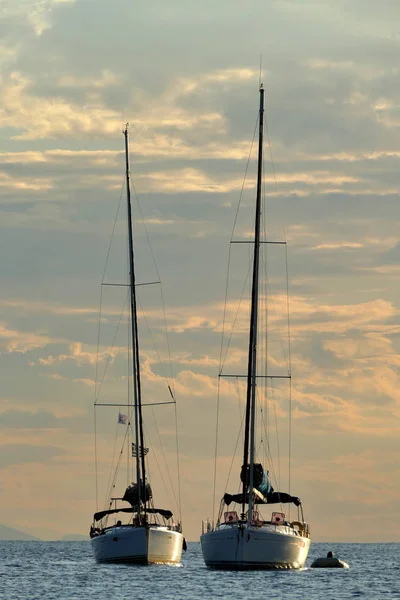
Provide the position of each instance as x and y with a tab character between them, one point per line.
272	498
260	479
132	493
167	514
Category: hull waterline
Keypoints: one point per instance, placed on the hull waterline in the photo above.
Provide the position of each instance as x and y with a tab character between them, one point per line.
244	548
138	545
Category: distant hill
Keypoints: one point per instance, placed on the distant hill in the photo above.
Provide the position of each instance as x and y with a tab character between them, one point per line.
9	533
74	537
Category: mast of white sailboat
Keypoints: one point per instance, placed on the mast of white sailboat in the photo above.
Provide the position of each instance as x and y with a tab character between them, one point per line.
140	467
248	464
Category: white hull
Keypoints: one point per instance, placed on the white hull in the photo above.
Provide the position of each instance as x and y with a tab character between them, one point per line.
249	547
138	545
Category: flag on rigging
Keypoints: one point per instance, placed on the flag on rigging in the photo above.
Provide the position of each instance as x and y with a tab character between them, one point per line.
123	419
142	451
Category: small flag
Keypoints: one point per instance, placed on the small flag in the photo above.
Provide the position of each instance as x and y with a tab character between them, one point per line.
142	451
123	419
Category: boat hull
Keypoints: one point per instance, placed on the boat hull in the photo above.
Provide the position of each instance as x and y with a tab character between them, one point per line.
138	545
248	547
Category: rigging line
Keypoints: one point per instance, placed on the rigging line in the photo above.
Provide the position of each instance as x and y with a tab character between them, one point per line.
269	454
224	314
167	339
266	300
216	447
234	453
161	286
262	442
274	173
290	367
130	403
133	474
116	468
165	460
264	402
128	331
108	488
241	413
130	389
109	355
101	295
259	399
148	473
288	311
288	360
285	356
130	368
276	431
244	179
95	458
260	445
271	298
113	230
230	250
130	414
153	342
95	399
98	345
290	437
178	464
222	362
151	500
154	453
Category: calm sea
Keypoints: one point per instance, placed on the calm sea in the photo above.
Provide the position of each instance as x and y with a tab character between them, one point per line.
66	571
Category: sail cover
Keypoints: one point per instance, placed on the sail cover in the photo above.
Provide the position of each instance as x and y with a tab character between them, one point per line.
262	485
260	479
132	494
272	498
167	514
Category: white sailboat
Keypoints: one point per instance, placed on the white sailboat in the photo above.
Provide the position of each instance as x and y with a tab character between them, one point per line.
148	534
245	540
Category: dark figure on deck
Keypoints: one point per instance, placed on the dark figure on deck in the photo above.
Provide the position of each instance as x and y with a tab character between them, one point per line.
94	531
329	555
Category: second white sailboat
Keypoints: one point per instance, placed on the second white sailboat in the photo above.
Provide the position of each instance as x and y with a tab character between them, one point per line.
241	538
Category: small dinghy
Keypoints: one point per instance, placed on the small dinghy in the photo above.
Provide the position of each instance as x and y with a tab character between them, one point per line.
329	562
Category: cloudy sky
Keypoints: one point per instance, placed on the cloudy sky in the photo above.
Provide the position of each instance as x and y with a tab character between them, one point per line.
185	75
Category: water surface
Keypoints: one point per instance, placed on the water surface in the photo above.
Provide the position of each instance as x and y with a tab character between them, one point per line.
66	571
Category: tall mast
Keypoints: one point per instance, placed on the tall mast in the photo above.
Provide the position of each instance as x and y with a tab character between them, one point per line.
252	357
140	466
